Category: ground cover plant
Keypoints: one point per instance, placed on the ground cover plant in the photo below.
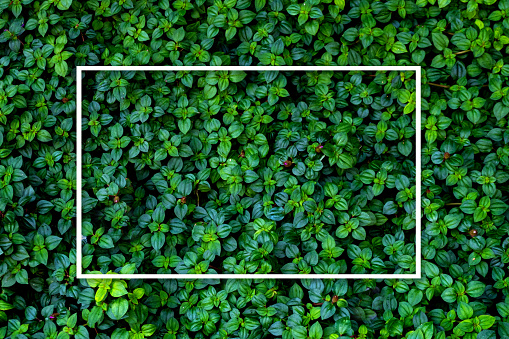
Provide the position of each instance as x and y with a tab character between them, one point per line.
257	172
462	48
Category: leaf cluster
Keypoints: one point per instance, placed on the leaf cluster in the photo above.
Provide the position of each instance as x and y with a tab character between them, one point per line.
462	48
257	172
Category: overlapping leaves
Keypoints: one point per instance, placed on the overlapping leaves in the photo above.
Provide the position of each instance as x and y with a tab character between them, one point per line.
248	173
462	46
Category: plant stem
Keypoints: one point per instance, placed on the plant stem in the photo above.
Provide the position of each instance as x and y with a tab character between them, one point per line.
453	204
438	85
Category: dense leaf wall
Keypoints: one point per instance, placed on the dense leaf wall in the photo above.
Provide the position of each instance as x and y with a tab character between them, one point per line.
462	48
249	172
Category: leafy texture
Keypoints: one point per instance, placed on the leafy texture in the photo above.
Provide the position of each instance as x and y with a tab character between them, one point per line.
462	48
278	172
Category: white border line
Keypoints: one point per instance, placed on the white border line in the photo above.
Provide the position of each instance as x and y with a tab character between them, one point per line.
79	270
418	171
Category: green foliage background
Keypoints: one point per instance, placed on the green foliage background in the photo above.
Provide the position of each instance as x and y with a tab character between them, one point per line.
462	48
297	172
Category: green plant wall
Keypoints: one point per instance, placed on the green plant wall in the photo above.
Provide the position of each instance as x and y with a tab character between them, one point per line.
462	48
249	172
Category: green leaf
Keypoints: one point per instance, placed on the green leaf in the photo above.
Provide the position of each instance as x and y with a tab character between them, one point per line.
345	161
299	332
327	310
118	289
480	214
61	68
398	48
117	131
64	4
390	208
184	125
118	308
486	334
4	306
498	207
315	331
414	297
405	147
106	242
237	76
486	321
157	240
475	289
312	27
440	41
465	311
468	206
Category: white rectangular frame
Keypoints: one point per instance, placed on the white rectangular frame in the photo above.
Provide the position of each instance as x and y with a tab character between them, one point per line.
79	270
